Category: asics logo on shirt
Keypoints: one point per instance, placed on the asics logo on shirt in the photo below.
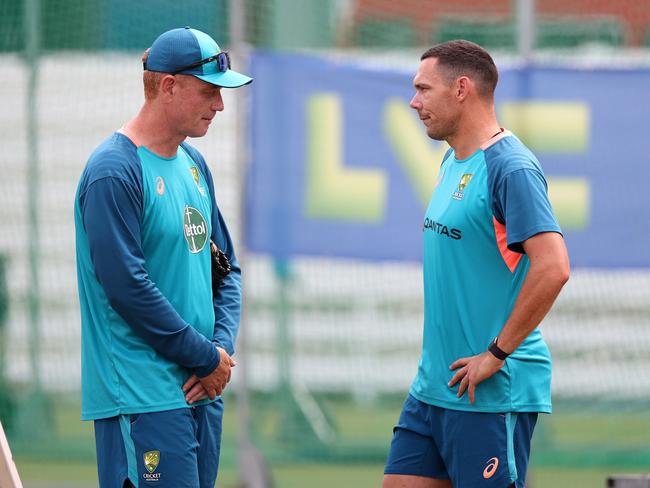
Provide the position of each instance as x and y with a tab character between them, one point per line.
160	185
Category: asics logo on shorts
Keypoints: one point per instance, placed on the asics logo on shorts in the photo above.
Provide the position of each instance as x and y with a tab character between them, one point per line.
491	468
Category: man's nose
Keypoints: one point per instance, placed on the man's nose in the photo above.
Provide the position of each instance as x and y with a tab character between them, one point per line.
217	105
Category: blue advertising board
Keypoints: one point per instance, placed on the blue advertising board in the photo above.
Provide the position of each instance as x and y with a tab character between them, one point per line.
341	166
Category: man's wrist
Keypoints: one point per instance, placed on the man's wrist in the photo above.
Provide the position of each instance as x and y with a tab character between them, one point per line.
496	351
214	363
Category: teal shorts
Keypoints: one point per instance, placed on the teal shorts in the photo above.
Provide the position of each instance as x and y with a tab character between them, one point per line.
170	449
472	449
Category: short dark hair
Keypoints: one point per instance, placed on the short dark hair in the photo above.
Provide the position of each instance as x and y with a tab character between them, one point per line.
464	58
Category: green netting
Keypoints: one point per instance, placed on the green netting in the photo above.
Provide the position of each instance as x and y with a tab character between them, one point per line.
281	24
571	33
146	20
332	344
71	25
553	34
491	35
386	33
11	27
116	24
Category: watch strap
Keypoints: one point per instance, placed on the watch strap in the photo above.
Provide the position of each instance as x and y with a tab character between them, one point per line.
496	351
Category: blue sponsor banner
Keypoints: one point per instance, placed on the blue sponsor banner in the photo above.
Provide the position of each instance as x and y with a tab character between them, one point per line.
341	166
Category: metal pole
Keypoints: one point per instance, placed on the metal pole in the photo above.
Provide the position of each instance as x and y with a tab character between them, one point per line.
282	338
526	39
32	30
526	29
35	414
237	20
253	470
7	404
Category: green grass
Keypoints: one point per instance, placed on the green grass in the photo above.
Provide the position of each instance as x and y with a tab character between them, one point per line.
75	475
575	478
47	473
574	448
578	429
346	476
84	475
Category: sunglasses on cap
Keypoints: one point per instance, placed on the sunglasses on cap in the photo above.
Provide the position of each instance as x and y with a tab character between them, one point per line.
222	59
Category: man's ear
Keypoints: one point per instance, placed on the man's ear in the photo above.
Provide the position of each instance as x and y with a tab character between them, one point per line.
463	87
167	86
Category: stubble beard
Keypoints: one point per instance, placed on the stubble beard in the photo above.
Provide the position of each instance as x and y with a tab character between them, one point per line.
443	132
438	133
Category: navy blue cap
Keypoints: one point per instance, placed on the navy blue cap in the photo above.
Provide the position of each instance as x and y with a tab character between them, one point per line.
177	48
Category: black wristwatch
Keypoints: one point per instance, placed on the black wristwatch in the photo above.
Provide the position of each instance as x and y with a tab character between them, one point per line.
496	351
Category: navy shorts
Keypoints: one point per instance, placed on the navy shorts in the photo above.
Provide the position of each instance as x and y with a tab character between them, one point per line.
472	449
175	448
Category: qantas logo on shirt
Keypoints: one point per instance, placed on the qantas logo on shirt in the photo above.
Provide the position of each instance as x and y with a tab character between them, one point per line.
195	229
462	184
441	229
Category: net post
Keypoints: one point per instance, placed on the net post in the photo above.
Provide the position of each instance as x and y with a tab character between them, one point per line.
34	414
35	402
32	47
252	467
526	29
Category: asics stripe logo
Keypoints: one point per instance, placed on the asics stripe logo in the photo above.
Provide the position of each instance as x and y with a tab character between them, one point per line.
491	468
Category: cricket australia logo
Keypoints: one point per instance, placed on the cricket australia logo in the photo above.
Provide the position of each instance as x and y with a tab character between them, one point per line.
151	461
195	229
464	181
195	175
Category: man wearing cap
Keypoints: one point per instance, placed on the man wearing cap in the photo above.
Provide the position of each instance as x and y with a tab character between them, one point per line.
156	340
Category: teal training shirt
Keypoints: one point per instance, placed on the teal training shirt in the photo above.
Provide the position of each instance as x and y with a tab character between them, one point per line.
143	229
482	209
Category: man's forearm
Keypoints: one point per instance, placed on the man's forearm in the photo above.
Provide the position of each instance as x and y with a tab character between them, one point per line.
227	310
538	293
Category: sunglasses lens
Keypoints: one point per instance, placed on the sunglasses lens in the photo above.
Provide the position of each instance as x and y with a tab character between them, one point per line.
223	61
